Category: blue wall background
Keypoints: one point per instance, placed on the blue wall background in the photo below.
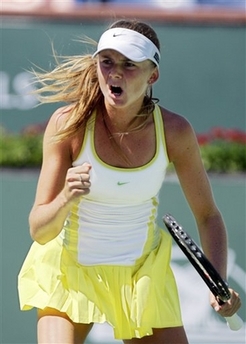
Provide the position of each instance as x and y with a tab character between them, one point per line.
202	69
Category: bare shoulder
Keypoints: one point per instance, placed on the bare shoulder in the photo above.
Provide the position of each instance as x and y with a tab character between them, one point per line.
175	124
58	118
179	133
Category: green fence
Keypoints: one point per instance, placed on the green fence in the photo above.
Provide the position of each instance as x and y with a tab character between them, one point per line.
17	191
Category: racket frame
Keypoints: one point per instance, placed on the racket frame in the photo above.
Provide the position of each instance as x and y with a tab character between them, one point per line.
202	265
197	258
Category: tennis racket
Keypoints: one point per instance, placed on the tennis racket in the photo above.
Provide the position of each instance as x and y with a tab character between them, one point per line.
203	266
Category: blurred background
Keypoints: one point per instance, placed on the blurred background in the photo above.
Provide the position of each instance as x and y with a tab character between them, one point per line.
154	3
202	77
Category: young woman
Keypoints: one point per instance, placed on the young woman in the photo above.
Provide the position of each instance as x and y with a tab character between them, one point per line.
98	254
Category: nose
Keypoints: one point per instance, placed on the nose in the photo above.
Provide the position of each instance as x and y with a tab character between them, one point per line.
115	71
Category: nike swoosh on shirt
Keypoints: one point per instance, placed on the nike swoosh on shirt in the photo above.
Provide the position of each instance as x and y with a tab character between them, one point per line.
122	183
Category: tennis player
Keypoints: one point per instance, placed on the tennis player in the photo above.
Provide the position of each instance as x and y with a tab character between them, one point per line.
98	255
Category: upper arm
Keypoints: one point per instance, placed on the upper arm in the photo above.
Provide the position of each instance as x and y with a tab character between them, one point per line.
57	160
184	153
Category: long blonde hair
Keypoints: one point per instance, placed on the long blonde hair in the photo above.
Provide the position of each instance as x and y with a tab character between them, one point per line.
74	81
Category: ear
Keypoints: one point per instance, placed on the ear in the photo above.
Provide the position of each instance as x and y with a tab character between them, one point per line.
154	76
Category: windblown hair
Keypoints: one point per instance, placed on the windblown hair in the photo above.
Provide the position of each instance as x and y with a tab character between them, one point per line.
74	81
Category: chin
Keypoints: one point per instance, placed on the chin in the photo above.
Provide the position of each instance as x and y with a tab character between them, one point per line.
117	102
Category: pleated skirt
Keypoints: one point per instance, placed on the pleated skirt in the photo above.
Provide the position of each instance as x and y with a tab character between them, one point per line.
132	299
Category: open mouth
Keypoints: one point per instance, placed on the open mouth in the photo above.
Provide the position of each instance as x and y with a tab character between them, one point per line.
116	90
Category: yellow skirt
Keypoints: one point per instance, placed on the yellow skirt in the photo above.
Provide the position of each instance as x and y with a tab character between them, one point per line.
132	299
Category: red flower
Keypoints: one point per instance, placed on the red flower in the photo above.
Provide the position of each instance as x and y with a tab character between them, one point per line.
203	139
218	133
235	135
222	134
34	129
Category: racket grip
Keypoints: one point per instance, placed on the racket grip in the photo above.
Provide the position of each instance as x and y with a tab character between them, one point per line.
234	322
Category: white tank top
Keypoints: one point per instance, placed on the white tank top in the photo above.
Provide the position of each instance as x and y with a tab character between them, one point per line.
115	224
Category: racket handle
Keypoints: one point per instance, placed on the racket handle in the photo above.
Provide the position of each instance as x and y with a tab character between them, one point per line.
234	322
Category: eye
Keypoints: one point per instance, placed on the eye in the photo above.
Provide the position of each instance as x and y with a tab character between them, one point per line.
130	64
106	61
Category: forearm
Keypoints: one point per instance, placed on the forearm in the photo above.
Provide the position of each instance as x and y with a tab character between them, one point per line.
213	238
46	220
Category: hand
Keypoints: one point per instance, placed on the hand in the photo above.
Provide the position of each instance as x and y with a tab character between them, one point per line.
77	182
228	308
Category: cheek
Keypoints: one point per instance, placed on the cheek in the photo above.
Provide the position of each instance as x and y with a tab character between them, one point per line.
100	72
101	79
140	86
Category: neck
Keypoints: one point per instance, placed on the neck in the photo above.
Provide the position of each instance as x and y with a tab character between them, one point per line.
123	118
123	127
132	118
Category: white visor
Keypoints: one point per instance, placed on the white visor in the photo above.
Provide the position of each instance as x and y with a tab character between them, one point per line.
132	44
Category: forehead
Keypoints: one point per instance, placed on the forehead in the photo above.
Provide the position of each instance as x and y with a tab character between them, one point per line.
113	53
